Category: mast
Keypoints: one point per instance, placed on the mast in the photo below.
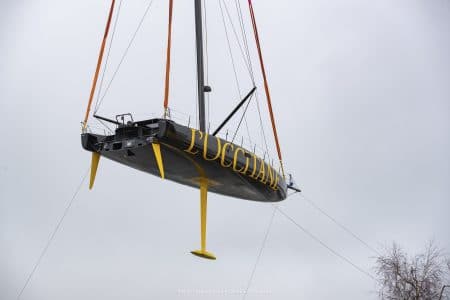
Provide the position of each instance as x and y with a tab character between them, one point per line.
200	67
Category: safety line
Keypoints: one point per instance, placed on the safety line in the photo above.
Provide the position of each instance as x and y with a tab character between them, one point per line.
345	259
55	230
259	253
322	211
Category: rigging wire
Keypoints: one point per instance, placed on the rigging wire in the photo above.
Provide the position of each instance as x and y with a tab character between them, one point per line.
291	193
99	63
247	128
229	49
250	66
245	39
52	236
126	52
266	85
242	118
266	235
261	125
247	63
321	210
244	57
334	252
234	67
107	58
104	125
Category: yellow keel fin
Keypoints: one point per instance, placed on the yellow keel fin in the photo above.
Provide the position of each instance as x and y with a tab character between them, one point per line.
94	165
203	209
158	156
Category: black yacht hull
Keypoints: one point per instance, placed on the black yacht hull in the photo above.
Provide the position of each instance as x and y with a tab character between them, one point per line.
189	156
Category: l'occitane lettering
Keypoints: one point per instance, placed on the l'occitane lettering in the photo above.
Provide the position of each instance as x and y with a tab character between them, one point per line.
254	167
205	148
224	152
235	159
191	146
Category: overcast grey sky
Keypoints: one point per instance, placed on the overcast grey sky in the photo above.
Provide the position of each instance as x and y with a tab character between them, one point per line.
361	92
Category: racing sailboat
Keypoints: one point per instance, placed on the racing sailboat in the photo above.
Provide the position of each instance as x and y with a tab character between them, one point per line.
189	156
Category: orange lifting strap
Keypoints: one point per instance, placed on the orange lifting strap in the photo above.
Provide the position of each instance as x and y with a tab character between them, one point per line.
169	44
99	63
266	85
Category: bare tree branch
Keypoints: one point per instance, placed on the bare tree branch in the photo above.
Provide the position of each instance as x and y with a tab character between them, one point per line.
418	277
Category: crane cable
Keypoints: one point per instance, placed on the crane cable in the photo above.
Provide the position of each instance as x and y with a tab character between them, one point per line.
169	44
99	63
266	85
